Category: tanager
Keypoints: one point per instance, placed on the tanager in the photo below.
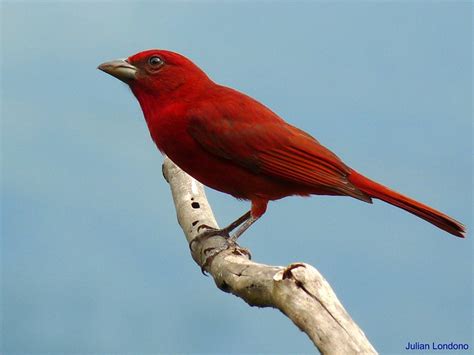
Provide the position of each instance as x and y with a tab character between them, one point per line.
234	144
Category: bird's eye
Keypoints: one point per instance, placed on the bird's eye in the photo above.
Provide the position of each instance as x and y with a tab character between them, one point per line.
155	61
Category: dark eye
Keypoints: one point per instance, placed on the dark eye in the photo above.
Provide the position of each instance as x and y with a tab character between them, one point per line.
155	61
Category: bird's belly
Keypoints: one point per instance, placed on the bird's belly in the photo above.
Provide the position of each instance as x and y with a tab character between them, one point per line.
229	177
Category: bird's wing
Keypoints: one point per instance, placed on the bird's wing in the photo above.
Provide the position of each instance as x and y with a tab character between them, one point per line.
275	148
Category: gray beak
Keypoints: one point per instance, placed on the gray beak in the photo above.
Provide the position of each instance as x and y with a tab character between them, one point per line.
121	69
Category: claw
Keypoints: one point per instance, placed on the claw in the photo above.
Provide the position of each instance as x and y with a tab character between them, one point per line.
211	232
205	226
244	222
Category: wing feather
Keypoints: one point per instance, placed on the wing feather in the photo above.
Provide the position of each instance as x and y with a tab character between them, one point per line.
276	149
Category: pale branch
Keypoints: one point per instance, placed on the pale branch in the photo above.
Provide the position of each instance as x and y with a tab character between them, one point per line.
298	290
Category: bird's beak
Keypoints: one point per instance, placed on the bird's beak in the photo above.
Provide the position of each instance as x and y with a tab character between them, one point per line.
121	69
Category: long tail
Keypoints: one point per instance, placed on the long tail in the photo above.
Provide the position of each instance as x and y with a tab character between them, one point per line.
376	190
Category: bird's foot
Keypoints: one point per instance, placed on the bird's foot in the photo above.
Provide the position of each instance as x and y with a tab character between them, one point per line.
242	222
209	233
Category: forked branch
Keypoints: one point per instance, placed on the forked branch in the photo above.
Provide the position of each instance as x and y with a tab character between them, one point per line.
298	290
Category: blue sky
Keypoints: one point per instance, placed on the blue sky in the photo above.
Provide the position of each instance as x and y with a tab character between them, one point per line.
92	258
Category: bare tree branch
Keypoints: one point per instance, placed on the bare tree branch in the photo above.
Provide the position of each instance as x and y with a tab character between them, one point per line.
298	290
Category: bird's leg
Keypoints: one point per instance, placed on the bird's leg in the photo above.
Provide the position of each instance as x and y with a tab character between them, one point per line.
251	220
224	232
242	219
258	208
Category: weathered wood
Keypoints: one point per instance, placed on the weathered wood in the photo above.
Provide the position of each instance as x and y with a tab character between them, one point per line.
298	290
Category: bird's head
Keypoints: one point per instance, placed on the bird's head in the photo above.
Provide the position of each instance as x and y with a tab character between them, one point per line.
156	72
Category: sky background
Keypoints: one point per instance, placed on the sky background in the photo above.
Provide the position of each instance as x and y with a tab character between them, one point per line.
93	260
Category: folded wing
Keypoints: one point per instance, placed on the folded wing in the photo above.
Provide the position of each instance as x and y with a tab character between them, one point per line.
275	149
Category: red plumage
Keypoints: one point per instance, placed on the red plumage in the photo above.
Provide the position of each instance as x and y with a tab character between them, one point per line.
234	144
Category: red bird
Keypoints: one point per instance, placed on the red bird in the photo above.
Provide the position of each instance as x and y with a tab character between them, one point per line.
234	144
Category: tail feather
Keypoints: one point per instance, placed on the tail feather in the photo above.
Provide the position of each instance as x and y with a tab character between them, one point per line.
376	190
